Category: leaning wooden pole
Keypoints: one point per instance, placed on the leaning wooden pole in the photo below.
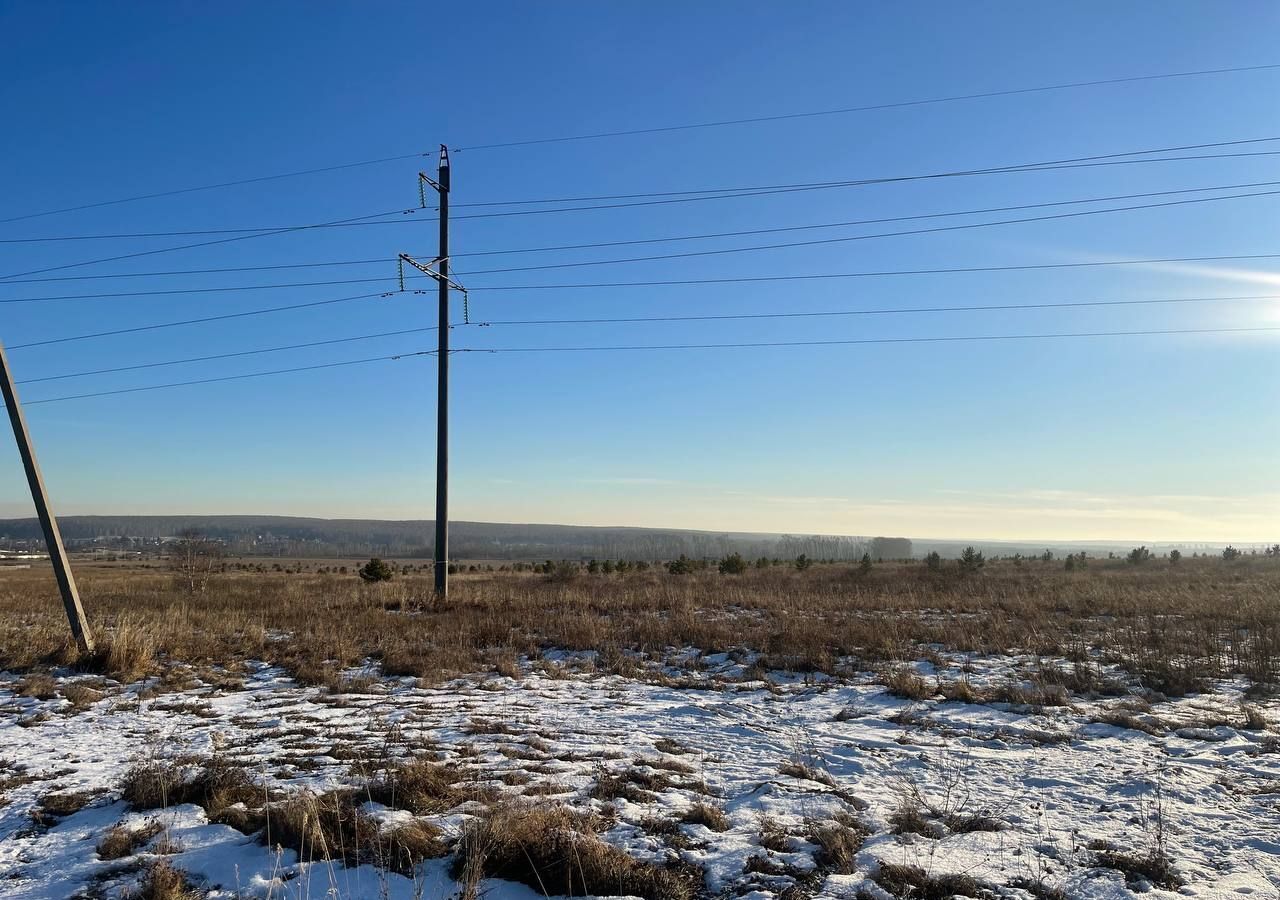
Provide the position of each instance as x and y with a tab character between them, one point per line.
52	537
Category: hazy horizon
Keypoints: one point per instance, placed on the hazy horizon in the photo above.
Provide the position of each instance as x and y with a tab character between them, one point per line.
7	513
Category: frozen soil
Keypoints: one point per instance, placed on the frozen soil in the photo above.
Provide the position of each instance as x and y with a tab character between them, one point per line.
1017	800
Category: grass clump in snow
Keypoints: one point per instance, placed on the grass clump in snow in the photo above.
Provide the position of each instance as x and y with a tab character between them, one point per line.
38	686
51	808
905	682
916	883
215	784
633	785
555	851
708	815
161	881
1153	865
839	841
122	841
797	768
419	785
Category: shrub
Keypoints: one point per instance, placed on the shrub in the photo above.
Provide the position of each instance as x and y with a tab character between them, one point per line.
1230	553
864	566
933	562
803	562
1137	556
1175	556
971	561
733	564
681	566
375	570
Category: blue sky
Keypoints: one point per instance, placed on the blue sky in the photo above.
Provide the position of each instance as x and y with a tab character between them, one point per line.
1143	438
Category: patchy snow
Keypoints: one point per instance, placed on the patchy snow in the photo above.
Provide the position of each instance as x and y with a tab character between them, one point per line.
1054	779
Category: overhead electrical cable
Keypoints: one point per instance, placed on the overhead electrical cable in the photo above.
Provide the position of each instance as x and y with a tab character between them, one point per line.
899	104
289	371
865	237
679	196
174	324
210	187
660	347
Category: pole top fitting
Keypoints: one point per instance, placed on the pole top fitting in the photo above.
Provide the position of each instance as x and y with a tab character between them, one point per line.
444	156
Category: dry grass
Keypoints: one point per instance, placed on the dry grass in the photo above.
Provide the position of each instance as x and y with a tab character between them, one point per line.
839	841
706	814
122	841
1174	627
556	852
161	881
421	786
227	793
917	884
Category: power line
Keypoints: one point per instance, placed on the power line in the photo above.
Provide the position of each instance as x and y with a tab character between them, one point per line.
864	237
159	325
1045	166
652	130
212	290
867	108
217	356
905	340
209	187
657	347
156	387
877	221
687	196
391	259
243	237
653	319
638	241
747	279
894	310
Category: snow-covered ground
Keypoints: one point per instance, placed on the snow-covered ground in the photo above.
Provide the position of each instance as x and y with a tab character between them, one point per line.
777	756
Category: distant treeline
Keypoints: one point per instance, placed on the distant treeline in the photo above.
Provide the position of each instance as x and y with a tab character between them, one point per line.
285	536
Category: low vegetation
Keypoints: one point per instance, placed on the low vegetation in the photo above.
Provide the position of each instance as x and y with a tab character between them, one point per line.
1173	627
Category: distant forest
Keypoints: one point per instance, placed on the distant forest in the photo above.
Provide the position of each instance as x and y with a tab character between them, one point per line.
302	537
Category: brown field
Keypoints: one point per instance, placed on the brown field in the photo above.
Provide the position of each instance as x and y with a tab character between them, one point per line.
1173	627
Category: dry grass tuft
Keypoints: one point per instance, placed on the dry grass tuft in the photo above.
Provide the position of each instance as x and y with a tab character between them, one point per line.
122	841
322	826
1151	866
56	806
916	883
904	682
215	785
162	881
839	841
421	786
800	769
38	686
555	851
708	815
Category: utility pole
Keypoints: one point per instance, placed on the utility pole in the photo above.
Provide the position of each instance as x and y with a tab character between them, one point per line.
441	274
49	524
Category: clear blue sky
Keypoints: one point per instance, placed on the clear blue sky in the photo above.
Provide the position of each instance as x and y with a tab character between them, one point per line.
1144	438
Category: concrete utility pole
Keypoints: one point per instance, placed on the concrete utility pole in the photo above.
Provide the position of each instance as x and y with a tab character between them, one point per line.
441	274
49	524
